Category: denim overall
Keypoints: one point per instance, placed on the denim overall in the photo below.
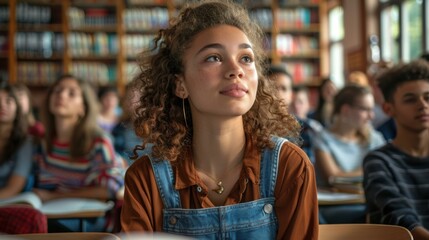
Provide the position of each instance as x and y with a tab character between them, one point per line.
249	220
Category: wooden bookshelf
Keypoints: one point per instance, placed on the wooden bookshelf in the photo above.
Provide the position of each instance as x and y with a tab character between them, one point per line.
97	40
294	30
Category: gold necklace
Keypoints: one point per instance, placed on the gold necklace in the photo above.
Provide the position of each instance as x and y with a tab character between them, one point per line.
219	183
220	189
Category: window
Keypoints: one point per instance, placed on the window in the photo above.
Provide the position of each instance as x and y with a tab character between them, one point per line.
412	30
426	13
336	51
390	34
402	29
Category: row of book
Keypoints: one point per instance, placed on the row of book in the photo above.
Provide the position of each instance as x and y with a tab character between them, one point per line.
287	18
91	17
135	44
281	3
45	73
97	44
297	18
146	18
4	14
40	44
302	72
95	72
288	44
38	73
28	13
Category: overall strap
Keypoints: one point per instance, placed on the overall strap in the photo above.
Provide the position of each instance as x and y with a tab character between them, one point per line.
269	168
164	177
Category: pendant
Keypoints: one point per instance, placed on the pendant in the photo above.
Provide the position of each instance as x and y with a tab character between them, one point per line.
220	188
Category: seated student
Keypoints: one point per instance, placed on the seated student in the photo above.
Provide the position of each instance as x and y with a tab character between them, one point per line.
217	168
300	106
109	100
323	111
35	128
124	136
75	158
340	148
396	175
283	81
15	145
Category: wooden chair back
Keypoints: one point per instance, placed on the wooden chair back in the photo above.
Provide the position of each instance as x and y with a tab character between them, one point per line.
363	231
66	236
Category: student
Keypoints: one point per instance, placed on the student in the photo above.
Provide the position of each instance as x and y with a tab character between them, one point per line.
340	149
109	100
15	145
283	81
323	112
396	175
75	158
300	106
35	128
216	166
124	136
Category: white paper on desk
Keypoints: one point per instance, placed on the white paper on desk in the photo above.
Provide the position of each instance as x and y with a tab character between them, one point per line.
336	196
75	205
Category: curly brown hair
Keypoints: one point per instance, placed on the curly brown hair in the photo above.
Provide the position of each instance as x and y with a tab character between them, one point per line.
160	118
402	73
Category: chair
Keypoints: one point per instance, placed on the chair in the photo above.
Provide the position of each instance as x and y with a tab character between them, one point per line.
66	236
363	231
22	219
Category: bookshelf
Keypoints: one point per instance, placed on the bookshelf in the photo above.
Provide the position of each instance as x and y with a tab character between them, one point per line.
97	40
294	34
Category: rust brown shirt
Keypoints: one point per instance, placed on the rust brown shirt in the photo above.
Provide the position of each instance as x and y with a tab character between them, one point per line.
295	192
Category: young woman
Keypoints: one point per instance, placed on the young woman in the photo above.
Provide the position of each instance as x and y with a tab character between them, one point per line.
340	149
216	168
323	111
76	159
35	128
15	146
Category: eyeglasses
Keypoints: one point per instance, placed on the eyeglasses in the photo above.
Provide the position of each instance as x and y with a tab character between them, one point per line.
363	108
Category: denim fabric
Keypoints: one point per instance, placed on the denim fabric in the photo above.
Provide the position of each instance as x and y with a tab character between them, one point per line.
252	220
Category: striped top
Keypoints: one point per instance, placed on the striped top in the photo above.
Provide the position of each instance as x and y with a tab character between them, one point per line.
101	167
397	187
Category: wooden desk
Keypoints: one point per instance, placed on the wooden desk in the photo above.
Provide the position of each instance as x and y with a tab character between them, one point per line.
326	197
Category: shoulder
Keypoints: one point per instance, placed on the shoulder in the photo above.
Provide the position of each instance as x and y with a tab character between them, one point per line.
381	154
293	161
377	137
101	139
140	168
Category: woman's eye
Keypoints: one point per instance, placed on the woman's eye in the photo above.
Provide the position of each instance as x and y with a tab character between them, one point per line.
247	59
213	59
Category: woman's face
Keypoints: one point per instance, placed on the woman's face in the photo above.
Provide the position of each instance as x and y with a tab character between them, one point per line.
8	107
66	99
362	111
220	77
109	101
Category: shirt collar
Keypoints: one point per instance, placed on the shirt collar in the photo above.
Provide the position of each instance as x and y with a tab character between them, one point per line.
186	174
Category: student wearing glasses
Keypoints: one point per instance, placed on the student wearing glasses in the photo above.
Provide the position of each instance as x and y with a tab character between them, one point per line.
340	148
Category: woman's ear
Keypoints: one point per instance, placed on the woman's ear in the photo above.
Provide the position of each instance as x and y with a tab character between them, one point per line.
181	90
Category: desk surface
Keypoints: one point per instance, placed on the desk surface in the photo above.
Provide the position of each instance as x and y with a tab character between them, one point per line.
325	197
